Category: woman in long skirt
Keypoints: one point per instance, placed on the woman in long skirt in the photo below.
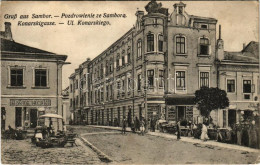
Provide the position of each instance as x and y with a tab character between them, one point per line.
204	133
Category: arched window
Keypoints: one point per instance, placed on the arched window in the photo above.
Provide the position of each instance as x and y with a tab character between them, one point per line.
180	44
139	48
150	42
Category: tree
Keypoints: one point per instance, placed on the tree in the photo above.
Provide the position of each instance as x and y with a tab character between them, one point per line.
209	99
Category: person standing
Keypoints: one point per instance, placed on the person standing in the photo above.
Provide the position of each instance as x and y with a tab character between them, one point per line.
137	124
124	125
142	126
178	130
204	132
133	125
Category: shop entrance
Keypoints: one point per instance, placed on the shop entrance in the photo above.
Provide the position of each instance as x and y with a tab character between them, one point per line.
18	117
181	111
33	118
231	117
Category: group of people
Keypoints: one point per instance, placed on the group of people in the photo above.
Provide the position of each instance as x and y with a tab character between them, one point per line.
136	125
191	126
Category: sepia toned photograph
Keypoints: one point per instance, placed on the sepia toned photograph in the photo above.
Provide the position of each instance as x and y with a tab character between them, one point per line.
130	82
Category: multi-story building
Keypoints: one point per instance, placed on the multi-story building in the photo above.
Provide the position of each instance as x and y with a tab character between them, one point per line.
161	61
238	75
30	82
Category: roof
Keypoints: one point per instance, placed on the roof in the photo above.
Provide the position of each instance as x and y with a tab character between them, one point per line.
12	46
202	18
252	49
249	54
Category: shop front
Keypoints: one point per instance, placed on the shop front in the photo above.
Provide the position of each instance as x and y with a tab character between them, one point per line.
180	108
25	112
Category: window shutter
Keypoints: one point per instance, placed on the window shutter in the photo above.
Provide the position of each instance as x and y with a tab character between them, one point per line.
120	62
115	64
126	59
186	45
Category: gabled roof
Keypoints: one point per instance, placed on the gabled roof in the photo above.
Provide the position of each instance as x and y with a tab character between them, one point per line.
252	49
12	46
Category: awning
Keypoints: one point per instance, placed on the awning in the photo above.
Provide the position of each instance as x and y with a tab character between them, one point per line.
180	100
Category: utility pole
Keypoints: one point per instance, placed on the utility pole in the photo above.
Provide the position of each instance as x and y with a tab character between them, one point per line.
145	93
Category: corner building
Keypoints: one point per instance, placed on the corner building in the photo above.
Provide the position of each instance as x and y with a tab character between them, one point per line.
170	54
31	81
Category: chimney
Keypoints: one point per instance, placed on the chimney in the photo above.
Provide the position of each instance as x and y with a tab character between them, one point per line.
220	47
219	32
244	45
8	32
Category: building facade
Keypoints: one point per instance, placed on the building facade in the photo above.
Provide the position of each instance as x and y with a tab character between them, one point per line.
152	71
238	75
31	81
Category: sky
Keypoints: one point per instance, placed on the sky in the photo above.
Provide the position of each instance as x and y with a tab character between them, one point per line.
239	21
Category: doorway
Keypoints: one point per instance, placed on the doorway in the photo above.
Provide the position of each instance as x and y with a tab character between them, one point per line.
18	116
33	118
181	112
3	117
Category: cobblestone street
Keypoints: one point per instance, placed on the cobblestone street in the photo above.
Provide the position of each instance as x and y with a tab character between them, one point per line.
133	148
24	152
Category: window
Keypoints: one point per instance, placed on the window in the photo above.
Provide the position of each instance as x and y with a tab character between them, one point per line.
123	88
139	82
204	26
117	61
247	86
160	43
102	94
107	67
40	77
107	92
16	77
76	84
129	84
161	78
180	80
111	65
101	71
180	45
129	55
139	48
180	10
111	91
231	86
118	89
71	88
123	60
150	75
204	79
150	42
204	46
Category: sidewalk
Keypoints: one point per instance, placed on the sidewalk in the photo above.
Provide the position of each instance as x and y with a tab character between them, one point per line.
188	139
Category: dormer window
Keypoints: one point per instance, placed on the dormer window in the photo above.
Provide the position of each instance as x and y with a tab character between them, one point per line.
180	10
203	26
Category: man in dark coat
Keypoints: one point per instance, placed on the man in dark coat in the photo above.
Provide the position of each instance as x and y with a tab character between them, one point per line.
178	130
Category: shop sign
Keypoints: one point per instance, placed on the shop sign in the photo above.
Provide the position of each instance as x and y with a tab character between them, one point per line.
30	102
